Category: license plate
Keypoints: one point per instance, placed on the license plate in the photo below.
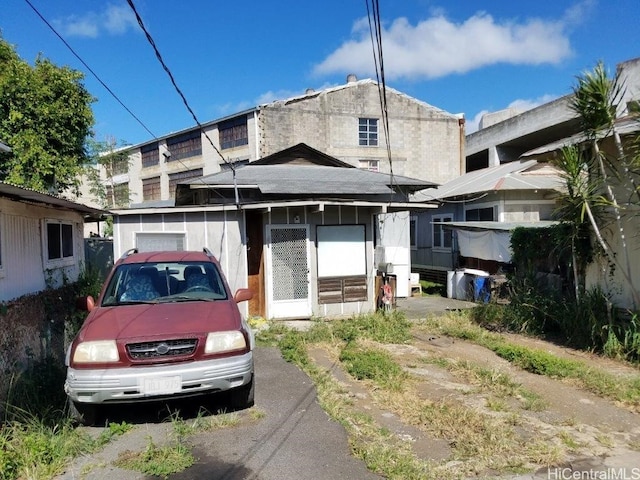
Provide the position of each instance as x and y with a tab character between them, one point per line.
161	385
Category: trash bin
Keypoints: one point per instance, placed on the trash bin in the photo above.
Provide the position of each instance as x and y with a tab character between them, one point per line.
482	289
451	286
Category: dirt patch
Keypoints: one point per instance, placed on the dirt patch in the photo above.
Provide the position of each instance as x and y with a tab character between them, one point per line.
581	426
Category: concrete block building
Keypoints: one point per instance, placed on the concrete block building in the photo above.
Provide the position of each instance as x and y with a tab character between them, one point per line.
343	121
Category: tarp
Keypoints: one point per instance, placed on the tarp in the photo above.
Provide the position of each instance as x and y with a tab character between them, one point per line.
485	244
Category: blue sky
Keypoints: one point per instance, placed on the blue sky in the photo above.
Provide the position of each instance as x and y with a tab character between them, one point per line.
463	57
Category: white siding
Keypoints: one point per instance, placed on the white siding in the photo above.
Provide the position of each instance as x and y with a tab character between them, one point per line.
24	268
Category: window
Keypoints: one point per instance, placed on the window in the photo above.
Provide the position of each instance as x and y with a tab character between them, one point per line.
59	241
233	133
151	188
150	155
371	165
186	145
175	178
479	214
151	242
441	235
118	195
413	232
368	132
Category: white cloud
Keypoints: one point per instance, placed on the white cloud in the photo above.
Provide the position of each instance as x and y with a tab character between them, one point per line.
113	20
437	46
117	19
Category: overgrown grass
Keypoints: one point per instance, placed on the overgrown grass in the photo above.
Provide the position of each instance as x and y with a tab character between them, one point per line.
621	388
478	441
31	449
373	364
158	460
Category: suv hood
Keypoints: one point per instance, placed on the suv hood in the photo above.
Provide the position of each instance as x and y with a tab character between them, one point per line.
160	320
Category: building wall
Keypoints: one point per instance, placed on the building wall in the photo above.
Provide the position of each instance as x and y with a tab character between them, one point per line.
508	206
220	232
223	233
425	141
25	268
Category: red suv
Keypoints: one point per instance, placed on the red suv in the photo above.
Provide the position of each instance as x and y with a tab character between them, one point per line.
165	326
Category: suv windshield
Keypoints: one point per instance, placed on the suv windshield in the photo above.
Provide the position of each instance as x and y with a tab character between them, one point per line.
164	282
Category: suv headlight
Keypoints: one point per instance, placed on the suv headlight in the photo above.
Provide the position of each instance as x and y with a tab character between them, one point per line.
218	342
100	351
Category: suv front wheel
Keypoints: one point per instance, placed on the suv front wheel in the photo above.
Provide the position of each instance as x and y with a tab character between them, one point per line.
242	397
83	413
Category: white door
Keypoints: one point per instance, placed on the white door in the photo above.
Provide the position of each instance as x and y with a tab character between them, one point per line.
288	263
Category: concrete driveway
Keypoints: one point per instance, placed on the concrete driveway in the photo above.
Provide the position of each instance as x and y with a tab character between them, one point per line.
294	440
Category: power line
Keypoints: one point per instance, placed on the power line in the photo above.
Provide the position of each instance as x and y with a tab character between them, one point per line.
89	68
173	82
375	29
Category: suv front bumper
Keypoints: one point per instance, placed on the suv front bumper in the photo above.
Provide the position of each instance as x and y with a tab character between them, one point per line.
121	385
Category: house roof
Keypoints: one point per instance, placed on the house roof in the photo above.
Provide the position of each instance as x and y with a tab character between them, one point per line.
302	170
518	175
21	194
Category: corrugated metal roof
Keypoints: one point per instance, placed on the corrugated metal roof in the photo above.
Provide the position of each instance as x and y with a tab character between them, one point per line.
310	180
17	193
518	175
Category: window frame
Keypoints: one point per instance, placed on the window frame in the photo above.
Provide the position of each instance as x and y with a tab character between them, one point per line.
442	232
64	259
413	232
147	159
119	190
233	133
179	236
368	132
479	208
177	177
371	165
151	188
185	145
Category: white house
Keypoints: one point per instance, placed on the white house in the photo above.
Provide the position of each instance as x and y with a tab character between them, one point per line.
297	227
41	240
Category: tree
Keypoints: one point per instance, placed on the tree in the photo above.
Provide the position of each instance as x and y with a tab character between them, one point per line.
45	117
592	177
107	160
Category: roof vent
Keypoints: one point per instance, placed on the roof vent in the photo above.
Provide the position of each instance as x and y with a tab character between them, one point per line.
351	78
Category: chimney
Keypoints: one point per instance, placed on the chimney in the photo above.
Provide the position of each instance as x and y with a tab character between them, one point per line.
351	78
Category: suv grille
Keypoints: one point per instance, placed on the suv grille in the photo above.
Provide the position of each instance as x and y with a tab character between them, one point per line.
163	348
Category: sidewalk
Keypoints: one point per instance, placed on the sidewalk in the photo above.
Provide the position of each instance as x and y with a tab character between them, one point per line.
416	308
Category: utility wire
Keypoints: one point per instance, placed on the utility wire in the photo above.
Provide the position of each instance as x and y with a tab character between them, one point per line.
100	80
173	82
89	69
375	29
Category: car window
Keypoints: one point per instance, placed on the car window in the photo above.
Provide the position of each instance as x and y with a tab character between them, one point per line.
164	282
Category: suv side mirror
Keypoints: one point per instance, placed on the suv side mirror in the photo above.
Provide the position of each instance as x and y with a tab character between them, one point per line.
85	303
242	295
